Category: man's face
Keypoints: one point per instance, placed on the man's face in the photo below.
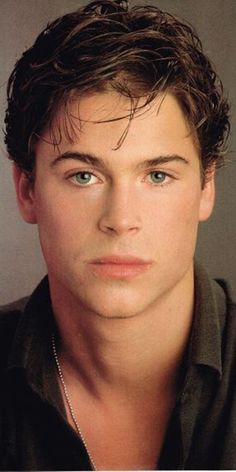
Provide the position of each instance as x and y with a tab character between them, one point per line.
119	205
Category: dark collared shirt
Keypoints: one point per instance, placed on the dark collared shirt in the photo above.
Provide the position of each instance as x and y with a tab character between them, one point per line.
34	433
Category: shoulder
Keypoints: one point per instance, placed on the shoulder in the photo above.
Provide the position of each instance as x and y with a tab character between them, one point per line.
230	299
228	337
18	305
10	316
226	310
10	313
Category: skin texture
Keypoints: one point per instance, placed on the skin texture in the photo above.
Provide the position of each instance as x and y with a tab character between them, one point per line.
120	211
122	338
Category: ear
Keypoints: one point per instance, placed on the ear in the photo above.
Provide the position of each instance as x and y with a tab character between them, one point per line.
208	194
25	195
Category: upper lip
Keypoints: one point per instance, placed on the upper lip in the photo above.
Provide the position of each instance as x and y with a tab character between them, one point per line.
115	259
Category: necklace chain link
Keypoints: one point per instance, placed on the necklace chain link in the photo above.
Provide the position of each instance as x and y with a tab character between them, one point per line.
69	403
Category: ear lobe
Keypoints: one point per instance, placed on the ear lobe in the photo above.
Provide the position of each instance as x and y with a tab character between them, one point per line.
25	195
208	195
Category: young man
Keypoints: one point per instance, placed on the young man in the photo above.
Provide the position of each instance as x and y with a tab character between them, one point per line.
124	356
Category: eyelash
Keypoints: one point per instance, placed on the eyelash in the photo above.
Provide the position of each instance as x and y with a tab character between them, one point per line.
167	176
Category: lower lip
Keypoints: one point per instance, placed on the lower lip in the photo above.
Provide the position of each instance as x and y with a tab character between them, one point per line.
119	271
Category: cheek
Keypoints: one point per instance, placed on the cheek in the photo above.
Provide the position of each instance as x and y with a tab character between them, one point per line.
181	206
63	225
175	220
185	226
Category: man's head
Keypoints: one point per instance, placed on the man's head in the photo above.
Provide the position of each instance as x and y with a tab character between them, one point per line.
140	53
115	115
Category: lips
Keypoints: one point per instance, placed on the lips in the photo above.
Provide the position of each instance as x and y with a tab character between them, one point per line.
119	267
127	260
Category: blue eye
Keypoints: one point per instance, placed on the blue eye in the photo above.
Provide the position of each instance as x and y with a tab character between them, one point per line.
157	177
83	178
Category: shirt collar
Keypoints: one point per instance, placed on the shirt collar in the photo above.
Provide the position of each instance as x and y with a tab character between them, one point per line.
208	324
31	351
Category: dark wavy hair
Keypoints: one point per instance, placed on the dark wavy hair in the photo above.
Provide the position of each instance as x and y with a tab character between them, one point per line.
139	52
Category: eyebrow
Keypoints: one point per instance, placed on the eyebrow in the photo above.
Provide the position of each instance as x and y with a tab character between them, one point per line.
100	163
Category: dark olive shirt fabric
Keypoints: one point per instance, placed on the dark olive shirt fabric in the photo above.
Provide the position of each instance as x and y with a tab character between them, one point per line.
34	433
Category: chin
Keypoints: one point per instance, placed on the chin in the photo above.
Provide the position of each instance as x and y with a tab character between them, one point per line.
121	310
118	313
114	304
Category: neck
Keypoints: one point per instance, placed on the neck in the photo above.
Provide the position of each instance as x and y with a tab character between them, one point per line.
131	355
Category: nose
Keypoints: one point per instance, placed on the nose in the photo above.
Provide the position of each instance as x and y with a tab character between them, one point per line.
121	213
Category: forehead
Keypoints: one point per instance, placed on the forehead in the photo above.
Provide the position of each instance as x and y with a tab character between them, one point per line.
103	123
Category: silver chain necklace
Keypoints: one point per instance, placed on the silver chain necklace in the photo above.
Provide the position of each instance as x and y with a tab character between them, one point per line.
69	403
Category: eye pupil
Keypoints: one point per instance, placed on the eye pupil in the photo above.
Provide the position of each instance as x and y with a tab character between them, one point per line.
158	177
83	177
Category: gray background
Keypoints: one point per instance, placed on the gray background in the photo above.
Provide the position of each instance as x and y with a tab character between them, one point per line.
20	21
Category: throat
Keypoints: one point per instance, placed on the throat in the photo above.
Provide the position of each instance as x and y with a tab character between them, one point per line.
123	382
123	378
120	433
129	356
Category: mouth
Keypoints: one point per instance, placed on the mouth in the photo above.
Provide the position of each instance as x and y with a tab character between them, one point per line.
119	267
